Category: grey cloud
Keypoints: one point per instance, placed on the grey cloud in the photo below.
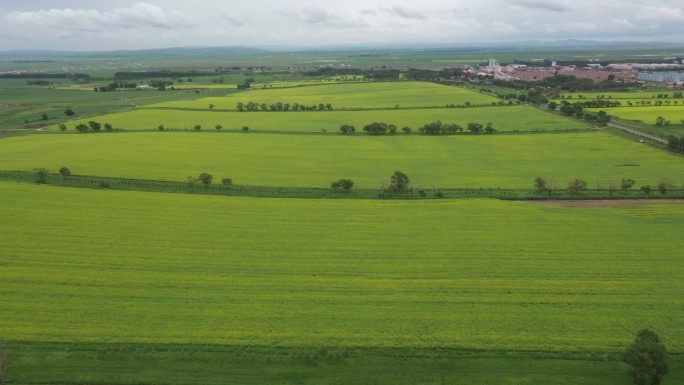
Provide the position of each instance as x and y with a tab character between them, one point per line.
138	15
317	16
548	5
404	12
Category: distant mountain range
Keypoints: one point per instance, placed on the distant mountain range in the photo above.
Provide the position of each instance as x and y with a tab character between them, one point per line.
242	50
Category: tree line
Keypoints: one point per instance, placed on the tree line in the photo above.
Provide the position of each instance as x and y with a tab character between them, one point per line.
434	128
576	186
280	106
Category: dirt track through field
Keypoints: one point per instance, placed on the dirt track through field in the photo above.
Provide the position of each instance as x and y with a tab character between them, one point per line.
605	202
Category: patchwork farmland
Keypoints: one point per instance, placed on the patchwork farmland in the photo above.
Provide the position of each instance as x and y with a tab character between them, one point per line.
145	286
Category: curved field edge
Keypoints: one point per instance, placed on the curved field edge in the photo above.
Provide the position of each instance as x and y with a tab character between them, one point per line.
84	266
251	159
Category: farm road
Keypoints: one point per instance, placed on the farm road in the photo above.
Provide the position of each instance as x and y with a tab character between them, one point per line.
637	132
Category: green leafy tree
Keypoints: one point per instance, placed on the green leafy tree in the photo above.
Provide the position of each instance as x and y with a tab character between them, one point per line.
541	184
108	127
211	106
576	186
376	128
44	117
347	129
648	359
41	175
64	172
95	126
82	128
161	127
344	184
62	127
197	127
69	112
205	178
552	106
399	182
627	184
227	182
245	128
407	130
475	128
218	127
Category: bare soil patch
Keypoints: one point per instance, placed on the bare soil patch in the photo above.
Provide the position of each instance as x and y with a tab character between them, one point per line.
9	106
605	202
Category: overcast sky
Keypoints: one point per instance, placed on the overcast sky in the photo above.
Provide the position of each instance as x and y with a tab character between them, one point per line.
133	24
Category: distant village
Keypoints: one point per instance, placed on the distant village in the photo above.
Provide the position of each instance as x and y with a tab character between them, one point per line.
667	73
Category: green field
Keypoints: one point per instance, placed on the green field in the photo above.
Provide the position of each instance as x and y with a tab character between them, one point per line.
513	118
86	266
648	115
349	96
467	161
102	286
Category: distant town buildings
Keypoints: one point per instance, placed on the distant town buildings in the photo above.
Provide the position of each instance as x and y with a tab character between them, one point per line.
661	77
492	63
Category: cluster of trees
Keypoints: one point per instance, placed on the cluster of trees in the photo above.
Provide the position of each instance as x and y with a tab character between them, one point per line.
661	121
566	83
280	106
675	143
34	75
38	82
577	110
92	126
648	359
429	75
578	185
159	74
115	86
382	73
434	128
342	184
205	179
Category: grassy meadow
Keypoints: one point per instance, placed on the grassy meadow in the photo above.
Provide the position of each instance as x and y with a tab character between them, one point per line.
349	96
505	118
648	114
93	266
467	161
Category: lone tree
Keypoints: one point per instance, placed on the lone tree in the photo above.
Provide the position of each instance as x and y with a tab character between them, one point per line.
41	175
197	127
64	172
399	182
69	112
344	184
62	127
347	129
227	182
541	185
648	358
627	184
205	178
218	127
